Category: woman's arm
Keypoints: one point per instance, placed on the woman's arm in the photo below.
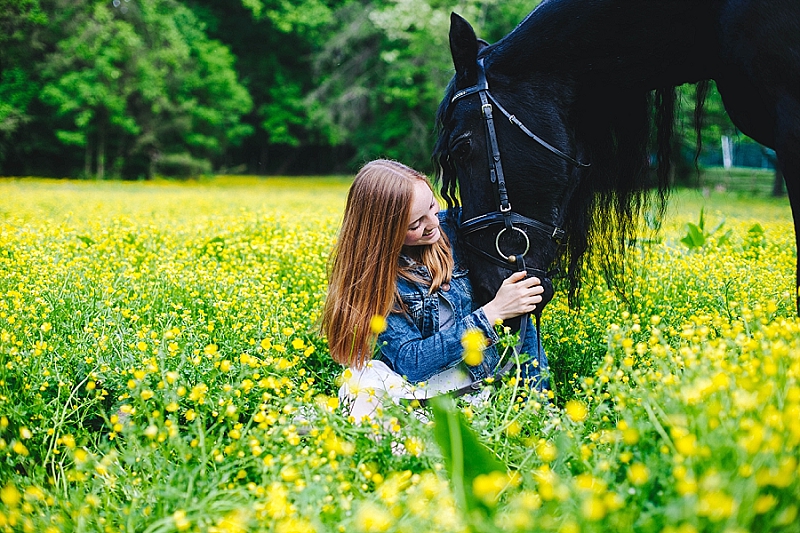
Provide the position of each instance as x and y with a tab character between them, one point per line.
402	345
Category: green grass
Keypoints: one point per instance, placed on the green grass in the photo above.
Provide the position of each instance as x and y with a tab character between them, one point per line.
161	369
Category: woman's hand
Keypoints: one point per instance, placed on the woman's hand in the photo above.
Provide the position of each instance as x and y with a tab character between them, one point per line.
516	296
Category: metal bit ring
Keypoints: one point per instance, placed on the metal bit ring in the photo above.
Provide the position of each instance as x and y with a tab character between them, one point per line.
509	257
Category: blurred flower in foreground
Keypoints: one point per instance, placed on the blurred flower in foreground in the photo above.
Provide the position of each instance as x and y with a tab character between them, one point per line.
473	342
377	324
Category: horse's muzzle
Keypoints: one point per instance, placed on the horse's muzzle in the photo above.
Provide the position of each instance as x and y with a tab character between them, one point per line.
547	295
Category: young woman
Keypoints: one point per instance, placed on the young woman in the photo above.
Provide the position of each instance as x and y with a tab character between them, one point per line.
394	259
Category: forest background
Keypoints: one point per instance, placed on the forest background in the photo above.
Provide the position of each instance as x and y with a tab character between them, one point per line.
134	89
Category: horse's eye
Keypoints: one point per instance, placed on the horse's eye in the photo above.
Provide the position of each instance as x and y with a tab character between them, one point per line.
461	149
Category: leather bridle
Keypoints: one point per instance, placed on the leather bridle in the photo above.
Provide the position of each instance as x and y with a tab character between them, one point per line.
504	216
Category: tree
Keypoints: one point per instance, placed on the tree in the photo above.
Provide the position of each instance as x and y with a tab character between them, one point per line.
384	69
275	42
145	81
93	74
17	89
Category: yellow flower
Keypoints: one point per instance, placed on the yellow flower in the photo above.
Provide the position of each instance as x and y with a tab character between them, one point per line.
233	522
686	444
10	496
764	503
377	324
289	473
593	508
546	451
198	393
487	487
181	522
370	518
211	350
630	436
19	448
332	403
276	502
34	493
294	525
716	506
576	410
473	339
638	474
513	429
473	342
414	446
473	358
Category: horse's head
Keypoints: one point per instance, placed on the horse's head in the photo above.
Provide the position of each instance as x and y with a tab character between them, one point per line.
505	146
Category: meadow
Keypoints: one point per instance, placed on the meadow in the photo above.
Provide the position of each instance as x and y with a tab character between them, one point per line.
161	369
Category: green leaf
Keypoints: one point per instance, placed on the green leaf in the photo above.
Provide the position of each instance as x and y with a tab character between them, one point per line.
88	241
725	238
255	6
717	227
465	457
694	236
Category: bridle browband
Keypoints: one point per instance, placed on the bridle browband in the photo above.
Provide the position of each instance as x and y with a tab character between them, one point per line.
510	220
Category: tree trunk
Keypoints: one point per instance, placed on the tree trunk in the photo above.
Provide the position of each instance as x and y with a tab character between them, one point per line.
263	159
154	155
101	150
87	159
287	161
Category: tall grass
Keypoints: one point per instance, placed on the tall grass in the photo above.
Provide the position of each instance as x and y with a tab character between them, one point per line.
161	369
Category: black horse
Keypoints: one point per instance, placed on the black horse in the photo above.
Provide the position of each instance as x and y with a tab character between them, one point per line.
547	133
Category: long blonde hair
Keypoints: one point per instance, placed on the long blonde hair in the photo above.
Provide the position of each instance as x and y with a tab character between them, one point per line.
364	265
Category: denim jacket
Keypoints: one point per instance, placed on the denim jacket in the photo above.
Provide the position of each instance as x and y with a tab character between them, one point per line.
412	344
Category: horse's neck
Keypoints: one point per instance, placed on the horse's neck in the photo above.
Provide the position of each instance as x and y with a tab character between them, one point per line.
649	44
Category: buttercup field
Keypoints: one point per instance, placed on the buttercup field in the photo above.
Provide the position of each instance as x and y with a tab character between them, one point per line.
163	370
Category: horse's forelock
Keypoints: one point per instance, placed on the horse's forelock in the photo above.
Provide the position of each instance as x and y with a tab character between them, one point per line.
445	171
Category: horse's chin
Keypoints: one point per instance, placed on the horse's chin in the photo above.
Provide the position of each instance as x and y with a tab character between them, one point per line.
547	295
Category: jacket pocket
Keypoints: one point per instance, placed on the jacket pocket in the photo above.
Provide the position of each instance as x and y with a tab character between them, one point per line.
415	307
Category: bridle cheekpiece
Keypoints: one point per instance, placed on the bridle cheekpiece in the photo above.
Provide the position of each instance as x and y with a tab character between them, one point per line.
510	220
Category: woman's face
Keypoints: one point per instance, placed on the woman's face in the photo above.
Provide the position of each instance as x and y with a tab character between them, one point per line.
423	222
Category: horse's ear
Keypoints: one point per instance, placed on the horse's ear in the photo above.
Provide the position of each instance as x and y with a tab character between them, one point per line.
464	49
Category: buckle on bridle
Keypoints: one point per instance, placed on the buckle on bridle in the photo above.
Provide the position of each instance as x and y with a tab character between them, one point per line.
486	109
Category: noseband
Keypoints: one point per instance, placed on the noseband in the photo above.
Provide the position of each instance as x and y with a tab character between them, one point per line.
511	221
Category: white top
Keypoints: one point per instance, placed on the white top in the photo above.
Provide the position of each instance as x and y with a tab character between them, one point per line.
363	389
